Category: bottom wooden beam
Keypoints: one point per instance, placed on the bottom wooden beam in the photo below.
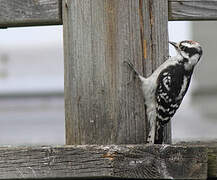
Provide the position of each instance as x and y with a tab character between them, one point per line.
122	161
211	147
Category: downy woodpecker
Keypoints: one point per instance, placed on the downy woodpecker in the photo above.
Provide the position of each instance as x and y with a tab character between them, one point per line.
165	89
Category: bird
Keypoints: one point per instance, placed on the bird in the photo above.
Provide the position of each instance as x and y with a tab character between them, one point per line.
166	87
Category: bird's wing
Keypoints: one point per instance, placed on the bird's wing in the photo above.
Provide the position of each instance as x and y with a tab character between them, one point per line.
171	87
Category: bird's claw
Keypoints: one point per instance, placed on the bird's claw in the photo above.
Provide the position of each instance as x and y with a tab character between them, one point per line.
131	67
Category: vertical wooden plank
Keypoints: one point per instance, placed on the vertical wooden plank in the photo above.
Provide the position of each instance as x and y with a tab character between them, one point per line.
102	106
155	25
160	43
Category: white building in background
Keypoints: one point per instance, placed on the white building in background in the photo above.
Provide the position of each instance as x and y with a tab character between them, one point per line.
31	70
31	86
31	59
205	94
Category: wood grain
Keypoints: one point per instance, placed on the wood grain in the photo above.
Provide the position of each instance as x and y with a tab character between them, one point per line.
15	13
131	161
155	19
211	153
103	102
192	10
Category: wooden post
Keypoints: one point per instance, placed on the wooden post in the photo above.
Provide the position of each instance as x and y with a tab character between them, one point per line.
103	102
154	21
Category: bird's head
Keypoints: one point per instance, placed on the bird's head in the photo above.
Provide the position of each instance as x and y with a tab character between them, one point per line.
191	52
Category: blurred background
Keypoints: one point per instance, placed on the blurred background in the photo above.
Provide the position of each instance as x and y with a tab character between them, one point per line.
32	83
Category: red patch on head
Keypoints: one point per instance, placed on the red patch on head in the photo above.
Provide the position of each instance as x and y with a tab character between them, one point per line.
193	42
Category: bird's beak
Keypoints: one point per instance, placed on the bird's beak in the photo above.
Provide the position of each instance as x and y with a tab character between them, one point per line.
174	44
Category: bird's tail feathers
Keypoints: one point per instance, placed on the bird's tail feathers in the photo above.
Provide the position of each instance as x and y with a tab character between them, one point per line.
159	134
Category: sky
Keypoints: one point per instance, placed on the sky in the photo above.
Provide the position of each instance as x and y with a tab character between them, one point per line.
30	52
31	36
178	31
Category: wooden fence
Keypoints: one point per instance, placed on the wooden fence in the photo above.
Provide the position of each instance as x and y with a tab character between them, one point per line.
105	116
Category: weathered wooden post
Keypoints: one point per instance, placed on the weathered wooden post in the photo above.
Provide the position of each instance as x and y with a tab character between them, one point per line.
102	105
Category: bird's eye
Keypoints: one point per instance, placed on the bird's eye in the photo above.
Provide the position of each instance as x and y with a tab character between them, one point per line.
182	47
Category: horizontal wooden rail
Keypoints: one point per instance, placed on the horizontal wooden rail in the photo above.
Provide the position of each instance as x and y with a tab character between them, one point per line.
16	13
192	10
122	161
211	147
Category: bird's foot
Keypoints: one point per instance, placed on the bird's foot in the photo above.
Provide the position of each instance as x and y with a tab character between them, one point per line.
131	66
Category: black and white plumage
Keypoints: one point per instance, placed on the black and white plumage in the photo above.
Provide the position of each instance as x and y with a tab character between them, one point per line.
165	89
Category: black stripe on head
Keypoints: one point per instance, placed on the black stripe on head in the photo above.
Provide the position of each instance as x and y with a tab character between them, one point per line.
200	52
190	51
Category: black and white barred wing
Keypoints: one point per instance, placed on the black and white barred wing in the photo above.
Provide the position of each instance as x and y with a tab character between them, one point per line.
171	87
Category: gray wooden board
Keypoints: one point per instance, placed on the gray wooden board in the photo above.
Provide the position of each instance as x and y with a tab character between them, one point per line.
211	153
155	40
192	10
15	13
102	107
125	161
